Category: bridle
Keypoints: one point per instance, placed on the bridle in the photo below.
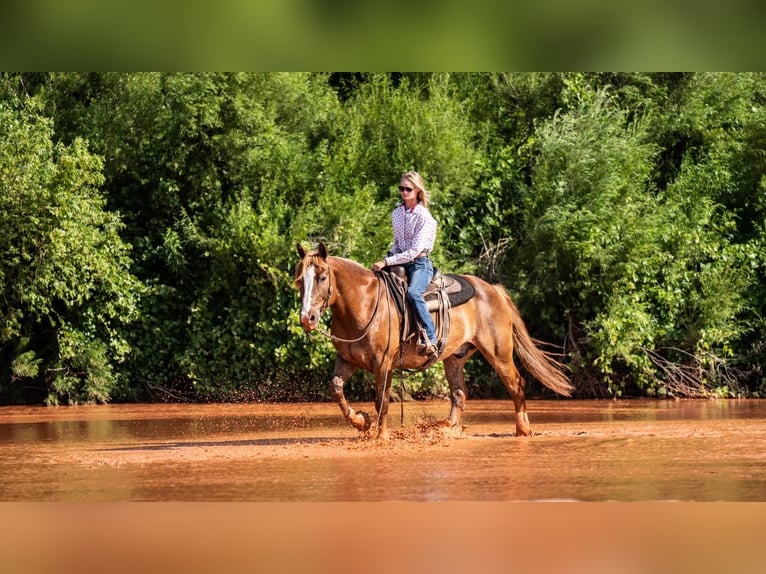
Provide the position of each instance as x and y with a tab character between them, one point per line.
326	302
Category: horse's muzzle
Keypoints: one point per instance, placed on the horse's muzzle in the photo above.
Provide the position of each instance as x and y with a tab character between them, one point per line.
309	321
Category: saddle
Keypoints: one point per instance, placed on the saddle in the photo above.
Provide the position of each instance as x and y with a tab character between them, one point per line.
442	293
454	287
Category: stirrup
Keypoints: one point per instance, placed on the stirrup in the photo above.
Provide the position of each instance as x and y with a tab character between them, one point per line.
428	349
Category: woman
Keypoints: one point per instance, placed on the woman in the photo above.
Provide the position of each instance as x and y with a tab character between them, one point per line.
414	236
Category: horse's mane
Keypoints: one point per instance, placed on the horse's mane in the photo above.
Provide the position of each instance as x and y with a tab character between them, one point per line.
313	257
350	263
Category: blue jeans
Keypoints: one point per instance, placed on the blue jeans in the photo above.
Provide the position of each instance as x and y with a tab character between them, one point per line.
419	275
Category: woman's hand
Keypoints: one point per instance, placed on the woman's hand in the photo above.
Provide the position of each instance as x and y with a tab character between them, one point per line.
378	265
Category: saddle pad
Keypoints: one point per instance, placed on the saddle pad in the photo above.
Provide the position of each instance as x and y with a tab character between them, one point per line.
457	288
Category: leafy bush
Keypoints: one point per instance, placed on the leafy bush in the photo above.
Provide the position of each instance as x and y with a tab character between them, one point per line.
148	223
67	292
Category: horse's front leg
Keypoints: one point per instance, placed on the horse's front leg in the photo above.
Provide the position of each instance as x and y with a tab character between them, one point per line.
343	370
383	379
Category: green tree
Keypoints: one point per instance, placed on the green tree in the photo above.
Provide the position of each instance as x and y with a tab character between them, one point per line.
504	109
387	128
624	211
67	292
643	282
207	170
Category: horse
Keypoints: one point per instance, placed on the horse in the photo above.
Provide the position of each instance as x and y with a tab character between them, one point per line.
365	334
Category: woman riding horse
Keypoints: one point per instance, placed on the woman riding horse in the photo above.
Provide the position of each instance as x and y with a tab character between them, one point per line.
414	237
365	328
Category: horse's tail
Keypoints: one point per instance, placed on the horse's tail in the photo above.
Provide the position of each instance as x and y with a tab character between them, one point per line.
540	364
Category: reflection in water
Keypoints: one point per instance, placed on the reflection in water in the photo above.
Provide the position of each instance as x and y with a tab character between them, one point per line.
580	450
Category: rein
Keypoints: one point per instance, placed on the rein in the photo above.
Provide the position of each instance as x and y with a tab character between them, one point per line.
366	330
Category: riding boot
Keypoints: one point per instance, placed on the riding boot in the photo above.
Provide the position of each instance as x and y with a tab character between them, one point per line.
425	346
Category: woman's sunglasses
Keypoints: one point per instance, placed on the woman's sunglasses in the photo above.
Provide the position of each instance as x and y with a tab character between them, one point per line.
402	188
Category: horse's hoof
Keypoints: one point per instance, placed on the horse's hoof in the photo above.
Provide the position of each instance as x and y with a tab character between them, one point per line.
361	421
383	435
452	430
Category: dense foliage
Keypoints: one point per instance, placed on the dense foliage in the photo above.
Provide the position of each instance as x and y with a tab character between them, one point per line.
148	223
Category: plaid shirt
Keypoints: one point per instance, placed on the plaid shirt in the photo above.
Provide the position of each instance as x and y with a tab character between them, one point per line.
414	233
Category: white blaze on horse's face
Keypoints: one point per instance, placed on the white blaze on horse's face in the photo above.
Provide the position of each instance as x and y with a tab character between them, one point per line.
307	317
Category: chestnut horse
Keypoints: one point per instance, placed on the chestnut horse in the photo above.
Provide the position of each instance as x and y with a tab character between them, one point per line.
365	333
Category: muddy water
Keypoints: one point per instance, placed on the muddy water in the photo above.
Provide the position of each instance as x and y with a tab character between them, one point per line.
580	450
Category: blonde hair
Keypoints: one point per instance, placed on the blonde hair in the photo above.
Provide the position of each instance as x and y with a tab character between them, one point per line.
417	182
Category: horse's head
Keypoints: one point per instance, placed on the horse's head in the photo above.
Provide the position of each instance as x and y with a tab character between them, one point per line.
313	277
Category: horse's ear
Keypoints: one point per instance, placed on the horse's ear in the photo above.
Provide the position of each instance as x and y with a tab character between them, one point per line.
322	250
301	251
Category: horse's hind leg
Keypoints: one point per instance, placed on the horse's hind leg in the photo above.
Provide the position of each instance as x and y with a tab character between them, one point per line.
506	370
515	385
343	371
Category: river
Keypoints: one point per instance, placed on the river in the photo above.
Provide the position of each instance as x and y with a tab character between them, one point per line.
625	450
